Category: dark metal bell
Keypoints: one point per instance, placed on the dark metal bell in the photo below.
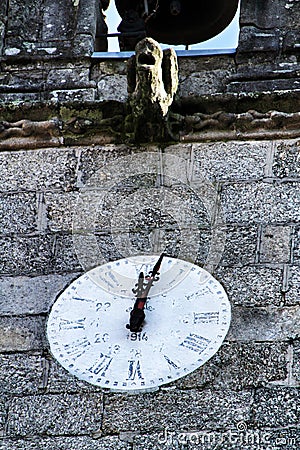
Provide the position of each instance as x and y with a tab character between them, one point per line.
181	21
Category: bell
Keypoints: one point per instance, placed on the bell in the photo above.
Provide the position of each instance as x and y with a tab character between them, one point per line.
181	21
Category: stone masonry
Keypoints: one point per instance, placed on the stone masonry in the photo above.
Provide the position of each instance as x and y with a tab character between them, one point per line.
234	163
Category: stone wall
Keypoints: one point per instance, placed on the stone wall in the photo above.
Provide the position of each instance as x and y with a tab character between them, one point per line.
248	390
238	153
45	54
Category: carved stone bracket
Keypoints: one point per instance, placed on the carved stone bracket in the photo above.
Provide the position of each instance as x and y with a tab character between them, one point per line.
30	134
81	130
251	124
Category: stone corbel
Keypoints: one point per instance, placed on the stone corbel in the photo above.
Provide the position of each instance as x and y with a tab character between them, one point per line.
25	134
248	125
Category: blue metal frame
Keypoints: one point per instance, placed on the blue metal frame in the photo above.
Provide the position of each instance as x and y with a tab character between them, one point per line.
180	53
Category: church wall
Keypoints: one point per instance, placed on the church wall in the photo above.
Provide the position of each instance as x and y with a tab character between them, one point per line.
246	163
251	382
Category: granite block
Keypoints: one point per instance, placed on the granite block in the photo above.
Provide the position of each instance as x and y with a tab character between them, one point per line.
176	409
252	285
22	333
31	295
261	202
55	415
18	213
277	407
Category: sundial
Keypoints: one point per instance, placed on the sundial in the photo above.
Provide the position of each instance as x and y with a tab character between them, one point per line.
138	323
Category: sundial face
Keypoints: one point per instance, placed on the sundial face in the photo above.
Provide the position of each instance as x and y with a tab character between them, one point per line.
187	318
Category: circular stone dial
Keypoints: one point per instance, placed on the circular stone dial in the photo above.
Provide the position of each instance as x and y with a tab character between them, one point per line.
187	319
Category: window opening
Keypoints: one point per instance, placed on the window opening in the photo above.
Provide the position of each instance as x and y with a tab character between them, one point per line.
223	43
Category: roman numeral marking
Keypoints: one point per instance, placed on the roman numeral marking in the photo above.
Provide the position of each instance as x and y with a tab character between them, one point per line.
206	317
77	348
101	365
171	363
195	342
82	299
66	324
134	370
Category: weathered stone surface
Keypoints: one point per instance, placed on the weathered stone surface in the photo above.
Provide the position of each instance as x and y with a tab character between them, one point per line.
57	379
38	170
42	28
16	79
230	160
176	409
265	324
18	213
240	435
275	244
21	374
287	160
21	334
166	439
263	14
240	246
277	407
252	286
31	295
292	295
86	23
253	40
60	208
106	250
20	255
261	202
94	163
296	361
3	8
3	415
65	443
25	23
71	95
296	249
59	19
108	67
83	45
65	257
291	41
19	98
112	88
263	86
290	14
63	414
240	366
204	83
170	202
63	78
